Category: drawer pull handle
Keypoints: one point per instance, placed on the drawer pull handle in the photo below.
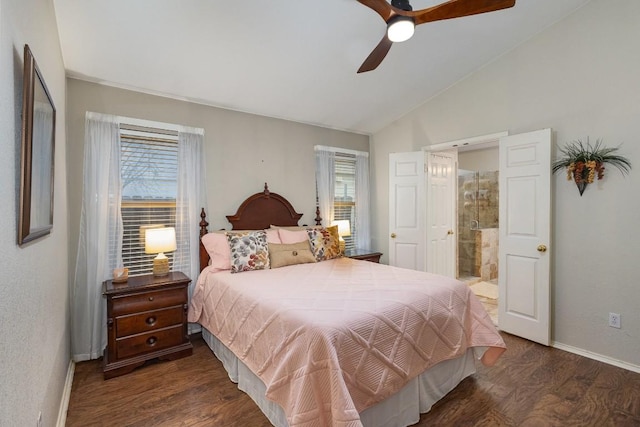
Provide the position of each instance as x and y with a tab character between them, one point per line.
151	320
150	298
151	341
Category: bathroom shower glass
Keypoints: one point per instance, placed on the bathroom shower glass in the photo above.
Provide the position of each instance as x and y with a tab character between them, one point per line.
477	211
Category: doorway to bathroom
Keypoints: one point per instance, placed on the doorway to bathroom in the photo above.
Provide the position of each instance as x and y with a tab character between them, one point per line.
478	235
524	194
477	215
478	219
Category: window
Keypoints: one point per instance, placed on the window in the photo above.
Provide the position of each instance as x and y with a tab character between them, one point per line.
342	186
149	174
344	201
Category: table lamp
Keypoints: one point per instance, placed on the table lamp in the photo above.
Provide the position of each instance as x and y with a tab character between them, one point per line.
158	241
344	229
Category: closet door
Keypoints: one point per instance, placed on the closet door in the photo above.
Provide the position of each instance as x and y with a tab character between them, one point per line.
407	224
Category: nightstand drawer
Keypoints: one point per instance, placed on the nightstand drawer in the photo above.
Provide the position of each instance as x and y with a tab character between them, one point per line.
150	320
149	300
146	319
150	341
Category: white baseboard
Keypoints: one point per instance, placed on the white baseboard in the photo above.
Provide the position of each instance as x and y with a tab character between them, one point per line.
596	356
66	395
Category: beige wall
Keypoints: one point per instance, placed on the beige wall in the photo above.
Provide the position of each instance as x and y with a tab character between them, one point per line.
243	150
580	78
34	325
485	159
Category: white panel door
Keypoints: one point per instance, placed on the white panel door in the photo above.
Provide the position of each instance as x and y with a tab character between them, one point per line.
525	232
441	212
406	210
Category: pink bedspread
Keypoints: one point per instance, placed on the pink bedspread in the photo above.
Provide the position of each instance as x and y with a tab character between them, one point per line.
331	339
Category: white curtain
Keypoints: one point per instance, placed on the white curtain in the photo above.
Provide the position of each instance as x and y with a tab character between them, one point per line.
191	198
100	241
325	182
363	228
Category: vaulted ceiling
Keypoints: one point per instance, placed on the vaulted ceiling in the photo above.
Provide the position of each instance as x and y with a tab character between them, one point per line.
295	59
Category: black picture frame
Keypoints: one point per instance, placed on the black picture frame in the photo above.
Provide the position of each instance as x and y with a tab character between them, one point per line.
37	158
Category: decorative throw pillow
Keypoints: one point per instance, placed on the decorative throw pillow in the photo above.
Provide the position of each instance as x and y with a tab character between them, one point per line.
333	244
217	246
249	251
288	236
290	254
325	242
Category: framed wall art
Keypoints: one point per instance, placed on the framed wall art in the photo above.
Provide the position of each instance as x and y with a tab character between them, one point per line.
37	161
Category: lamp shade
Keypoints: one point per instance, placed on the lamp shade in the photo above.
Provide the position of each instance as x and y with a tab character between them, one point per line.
344	228
144	228
159	240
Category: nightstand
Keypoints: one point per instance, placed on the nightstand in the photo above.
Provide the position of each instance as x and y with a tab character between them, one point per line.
363	254
146	319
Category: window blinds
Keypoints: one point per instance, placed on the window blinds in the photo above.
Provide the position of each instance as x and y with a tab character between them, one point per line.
149	165
345	194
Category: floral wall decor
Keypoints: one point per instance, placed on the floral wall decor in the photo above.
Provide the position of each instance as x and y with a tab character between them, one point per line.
585	162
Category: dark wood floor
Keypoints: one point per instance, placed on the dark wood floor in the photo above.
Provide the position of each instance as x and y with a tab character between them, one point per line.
530	386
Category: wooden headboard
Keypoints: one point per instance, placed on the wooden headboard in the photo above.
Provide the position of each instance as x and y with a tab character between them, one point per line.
262	210
257	212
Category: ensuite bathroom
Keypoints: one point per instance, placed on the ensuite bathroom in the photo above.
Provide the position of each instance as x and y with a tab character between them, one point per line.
478	220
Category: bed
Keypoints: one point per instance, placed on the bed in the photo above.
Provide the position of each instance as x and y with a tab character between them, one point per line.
335	341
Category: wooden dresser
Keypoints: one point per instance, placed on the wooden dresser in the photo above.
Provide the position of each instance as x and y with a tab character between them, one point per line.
146	319
363	254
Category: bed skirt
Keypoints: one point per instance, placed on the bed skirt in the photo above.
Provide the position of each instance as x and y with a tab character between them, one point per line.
400	410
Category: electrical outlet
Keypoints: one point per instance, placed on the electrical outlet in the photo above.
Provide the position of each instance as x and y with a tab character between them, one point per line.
614	320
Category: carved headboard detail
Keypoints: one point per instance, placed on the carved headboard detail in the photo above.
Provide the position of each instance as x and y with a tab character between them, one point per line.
259	211
262	210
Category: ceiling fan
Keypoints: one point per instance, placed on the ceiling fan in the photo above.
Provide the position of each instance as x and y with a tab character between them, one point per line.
401	20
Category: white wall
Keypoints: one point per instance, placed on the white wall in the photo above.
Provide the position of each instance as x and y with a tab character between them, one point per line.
581	78
243	150
34	327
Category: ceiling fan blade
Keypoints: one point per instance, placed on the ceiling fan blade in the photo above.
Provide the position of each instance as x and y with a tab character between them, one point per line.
381	7
376	56
457	8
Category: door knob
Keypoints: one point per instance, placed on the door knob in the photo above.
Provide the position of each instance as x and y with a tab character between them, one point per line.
450	232
393	235
542	248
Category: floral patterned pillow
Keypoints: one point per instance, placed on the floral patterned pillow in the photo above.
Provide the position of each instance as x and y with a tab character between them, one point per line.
325	242
249	251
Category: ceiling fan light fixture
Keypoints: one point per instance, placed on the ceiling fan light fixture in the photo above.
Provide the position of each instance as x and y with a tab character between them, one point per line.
400	28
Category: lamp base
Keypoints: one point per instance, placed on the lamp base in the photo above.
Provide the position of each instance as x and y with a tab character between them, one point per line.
160	267
342	243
